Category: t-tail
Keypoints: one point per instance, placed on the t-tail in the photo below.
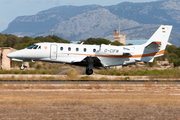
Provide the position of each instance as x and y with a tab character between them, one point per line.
156	45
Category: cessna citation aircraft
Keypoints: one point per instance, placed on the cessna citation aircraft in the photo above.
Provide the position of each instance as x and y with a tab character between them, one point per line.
96	55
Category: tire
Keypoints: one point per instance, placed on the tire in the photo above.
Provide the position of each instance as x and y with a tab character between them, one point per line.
89	71
22	67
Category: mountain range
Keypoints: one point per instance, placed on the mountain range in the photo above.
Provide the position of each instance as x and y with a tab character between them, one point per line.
136	20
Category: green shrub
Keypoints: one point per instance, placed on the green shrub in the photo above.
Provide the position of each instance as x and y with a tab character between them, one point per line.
2	72
38	66
151	64
16	72
24	72
177	62
43	72
171	60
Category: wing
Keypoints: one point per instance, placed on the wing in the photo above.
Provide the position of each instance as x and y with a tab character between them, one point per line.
85	62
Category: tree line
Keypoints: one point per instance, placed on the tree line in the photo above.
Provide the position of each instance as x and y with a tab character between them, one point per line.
9	40
172	54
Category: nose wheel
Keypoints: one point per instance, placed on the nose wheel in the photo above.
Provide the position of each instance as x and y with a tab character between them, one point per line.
22	66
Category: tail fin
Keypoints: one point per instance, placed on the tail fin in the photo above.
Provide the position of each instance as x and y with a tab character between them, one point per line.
160	38
156	45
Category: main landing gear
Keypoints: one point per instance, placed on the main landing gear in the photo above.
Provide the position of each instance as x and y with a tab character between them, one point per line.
89	69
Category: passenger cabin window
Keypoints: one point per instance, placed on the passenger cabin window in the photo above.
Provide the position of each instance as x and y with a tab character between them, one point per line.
61	48
85	49
77	49
69	48
39	47
94	50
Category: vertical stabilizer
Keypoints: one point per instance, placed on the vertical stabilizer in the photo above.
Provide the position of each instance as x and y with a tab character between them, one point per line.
160	37
156	45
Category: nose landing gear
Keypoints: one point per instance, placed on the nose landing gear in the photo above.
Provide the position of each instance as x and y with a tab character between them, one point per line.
22	66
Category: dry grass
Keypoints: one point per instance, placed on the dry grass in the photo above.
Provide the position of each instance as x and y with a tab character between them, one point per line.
32	77
149	85
73	74
135	103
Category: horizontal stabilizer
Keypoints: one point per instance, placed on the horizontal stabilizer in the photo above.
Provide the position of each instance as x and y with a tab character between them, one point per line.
154	45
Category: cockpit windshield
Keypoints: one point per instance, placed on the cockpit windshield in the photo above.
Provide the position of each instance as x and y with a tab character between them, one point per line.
30	47
34	47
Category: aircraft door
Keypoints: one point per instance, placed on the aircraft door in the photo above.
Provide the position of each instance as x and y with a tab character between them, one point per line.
53	52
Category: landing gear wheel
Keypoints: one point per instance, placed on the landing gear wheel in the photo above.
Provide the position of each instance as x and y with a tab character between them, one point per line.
22	67
89	71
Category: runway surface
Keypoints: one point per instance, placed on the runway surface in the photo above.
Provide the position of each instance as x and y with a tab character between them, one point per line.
87	82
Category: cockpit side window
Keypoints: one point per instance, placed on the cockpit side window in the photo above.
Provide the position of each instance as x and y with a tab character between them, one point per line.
35	47
30	47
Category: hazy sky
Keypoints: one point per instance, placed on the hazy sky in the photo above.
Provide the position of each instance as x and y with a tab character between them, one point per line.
10	9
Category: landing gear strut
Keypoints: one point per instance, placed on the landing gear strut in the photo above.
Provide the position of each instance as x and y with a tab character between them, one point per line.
89	69
22	66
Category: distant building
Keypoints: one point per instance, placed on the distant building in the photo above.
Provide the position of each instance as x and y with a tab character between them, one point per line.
119	37
5	62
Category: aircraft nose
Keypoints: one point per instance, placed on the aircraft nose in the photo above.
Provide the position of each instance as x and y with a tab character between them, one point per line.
10	55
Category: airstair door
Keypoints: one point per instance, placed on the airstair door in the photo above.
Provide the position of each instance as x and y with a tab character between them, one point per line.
53	53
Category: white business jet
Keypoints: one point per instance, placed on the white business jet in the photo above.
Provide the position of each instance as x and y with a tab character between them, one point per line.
96	55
